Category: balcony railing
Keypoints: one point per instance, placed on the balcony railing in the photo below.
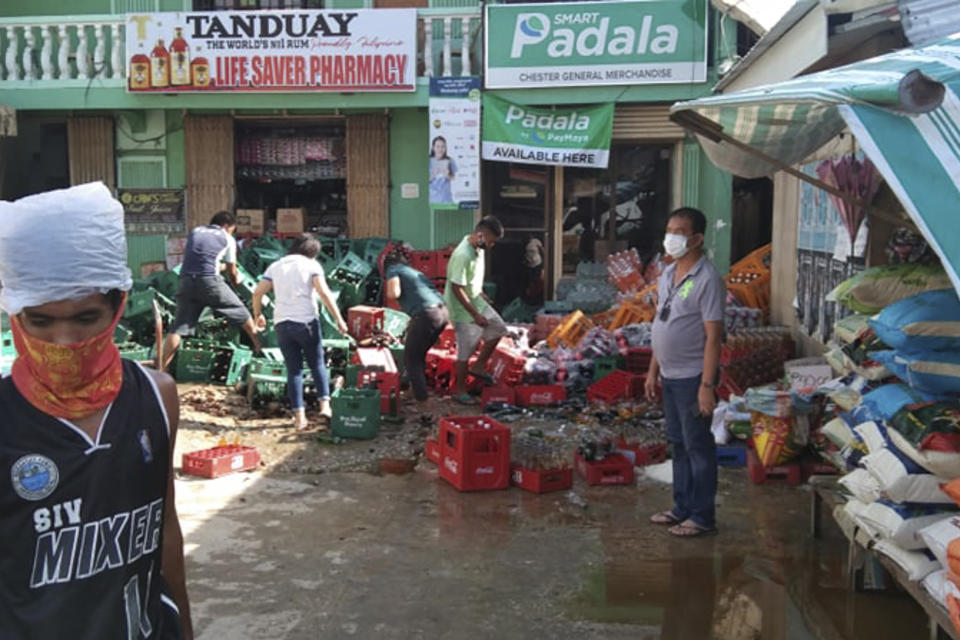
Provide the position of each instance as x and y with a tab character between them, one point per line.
69	51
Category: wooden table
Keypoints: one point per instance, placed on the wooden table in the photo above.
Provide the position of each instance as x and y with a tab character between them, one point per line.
826	492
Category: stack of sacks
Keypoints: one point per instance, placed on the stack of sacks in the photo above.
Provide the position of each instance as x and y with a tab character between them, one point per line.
896	487
943	540
924	333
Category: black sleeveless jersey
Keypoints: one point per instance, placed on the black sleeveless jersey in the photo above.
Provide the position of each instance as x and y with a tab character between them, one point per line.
81	520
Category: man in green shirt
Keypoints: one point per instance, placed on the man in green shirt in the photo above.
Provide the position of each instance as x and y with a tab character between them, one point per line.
471	312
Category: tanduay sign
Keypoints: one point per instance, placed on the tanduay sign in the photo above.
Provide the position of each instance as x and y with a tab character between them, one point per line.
596	43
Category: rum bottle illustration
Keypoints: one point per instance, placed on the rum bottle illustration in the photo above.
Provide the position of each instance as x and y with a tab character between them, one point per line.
139	71
160	65
200	69
179	59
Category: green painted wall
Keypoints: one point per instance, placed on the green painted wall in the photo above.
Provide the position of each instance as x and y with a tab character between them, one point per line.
409	218
176	152
48	8
711	190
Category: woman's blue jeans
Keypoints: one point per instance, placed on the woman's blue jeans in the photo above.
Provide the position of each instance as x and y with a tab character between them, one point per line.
299	342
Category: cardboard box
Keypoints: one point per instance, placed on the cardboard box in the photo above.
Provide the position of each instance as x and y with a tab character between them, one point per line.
291	220
148	268
250	220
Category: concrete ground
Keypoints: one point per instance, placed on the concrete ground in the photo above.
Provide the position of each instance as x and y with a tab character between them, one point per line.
295	556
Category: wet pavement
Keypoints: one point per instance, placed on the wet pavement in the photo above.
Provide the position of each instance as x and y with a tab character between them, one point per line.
275	555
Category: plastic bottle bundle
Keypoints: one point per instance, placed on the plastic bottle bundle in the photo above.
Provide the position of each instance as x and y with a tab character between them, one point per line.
577	374
626	270
591	296
598	343
564	287
634	335
540	370
591	271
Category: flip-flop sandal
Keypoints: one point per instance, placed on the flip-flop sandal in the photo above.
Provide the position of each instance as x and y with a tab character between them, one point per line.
466	398
665	518
691	531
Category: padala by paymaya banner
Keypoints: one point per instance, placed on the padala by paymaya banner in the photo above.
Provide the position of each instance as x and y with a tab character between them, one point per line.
596	43
578	137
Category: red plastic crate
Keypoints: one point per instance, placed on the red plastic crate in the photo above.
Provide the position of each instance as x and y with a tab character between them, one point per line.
220	461
447	339
475	453
538	395
426	263
443	259
790	474
498	395
388	383
432	450
363	321
506	365
638	359
645	455
541	481
612	470
383	255
615	387
375	357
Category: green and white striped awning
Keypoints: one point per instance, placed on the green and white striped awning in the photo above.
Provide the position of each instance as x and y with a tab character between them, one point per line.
902	107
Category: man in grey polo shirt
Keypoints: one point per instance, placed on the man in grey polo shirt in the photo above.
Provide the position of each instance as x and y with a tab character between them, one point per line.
687	333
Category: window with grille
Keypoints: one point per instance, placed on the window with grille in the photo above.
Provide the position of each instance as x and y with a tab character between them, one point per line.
248	5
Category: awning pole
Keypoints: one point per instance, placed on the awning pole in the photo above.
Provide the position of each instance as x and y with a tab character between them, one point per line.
700	125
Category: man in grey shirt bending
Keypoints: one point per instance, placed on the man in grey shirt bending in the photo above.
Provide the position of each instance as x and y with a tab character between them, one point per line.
687	332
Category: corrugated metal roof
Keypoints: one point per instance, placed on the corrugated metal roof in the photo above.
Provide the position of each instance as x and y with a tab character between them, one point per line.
926	21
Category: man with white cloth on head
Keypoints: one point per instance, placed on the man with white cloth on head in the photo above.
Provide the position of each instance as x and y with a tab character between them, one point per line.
92	546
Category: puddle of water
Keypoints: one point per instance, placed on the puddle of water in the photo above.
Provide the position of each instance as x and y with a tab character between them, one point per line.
742	597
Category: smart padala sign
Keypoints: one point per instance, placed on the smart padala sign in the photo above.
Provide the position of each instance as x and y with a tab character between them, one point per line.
596	43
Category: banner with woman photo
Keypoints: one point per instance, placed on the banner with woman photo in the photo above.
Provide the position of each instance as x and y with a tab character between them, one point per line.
455	142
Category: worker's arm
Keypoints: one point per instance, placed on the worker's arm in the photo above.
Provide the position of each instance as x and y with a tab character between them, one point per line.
263	288
653	377
320	285
460	293
172	567
392	290
231	269
707	397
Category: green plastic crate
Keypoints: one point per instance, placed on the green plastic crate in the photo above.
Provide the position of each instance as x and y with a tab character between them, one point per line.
336	355
122	334
350	278
356	413
133	351
369	248
210	362
395	322
518	311
166	282
602	367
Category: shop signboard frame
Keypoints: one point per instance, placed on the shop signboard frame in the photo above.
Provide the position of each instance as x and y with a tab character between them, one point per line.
572	137
148	211
610	42
310	50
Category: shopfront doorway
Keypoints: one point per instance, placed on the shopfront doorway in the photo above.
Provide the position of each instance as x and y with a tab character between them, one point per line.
577	214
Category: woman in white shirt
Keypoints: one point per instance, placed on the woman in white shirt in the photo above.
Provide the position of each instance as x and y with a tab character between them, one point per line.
295	279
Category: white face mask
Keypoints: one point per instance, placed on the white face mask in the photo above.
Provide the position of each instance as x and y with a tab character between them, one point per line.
675	245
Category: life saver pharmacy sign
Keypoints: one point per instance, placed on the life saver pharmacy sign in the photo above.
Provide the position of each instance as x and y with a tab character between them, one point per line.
221	51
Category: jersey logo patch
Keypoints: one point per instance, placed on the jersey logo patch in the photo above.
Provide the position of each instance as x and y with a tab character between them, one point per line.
145	446
34	476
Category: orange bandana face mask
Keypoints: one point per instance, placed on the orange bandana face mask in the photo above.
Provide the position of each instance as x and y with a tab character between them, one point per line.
70	381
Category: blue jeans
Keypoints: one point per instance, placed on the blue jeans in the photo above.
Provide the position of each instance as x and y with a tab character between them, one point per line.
694	452
297	342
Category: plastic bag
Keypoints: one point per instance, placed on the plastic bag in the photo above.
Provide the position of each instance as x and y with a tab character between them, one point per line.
61	245
779	439
873	289
719	424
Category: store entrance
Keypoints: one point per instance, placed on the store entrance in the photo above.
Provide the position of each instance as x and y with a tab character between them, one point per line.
621	207
301	164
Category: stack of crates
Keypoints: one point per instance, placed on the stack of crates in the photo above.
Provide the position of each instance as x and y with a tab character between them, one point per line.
570	331
210	362
388	384
266	382
426	263
350	277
